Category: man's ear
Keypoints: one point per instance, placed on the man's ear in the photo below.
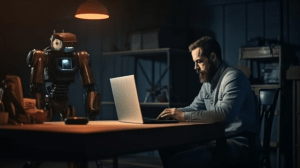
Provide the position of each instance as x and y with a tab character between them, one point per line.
213	57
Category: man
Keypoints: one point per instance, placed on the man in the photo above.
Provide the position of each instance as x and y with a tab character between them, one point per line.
225	96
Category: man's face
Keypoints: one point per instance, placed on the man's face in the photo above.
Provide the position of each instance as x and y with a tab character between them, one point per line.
203	66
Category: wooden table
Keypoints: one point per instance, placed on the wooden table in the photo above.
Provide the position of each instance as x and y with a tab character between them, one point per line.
99	139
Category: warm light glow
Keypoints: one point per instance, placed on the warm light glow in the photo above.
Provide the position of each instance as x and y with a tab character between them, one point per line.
92	10
92	16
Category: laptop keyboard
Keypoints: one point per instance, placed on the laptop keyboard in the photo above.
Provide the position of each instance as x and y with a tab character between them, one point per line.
154	120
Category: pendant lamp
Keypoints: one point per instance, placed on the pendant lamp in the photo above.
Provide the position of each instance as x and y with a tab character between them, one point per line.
92	10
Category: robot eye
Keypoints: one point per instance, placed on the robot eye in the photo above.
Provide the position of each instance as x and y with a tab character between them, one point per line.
57	44
65	62
69	49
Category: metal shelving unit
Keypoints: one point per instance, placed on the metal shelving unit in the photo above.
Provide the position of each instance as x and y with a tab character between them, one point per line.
172	57
263	55
145	52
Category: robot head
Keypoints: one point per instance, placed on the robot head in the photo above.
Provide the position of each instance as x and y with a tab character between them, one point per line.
63	42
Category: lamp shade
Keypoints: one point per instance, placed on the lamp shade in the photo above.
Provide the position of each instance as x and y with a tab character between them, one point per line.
92	10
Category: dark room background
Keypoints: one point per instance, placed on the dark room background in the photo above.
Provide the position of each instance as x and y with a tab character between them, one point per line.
27	25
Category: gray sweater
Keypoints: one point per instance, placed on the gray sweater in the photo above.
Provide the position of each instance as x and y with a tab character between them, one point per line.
227	98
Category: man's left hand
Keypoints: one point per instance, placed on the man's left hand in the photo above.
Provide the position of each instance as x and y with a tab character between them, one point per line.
173	113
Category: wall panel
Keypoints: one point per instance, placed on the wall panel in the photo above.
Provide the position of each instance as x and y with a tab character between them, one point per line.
235	32
217	25
255	20
272	20
294	28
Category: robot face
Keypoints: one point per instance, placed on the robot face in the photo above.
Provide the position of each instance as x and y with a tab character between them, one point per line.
57	44
63	42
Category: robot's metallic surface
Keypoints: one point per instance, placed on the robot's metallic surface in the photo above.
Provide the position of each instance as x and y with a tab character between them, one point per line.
54	69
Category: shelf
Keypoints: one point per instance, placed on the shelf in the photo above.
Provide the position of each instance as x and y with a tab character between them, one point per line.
147	51
150	104
266	86
261	57
260	53
272	144
256	88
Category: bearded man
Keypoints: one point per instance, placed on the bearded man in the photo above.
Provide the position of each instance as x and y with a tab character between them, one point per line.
225	96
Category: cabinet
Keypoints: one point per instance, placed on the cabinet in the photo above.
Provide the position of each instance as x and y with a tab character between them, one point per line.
263	66
162	71
293	73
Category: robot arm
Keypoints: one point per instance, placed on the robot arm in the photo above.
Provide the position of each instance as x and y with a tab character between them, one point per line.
36	60
93	98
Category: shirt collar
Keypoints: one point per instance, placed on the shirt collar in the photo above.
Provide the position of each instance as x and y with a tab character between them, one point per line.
215	79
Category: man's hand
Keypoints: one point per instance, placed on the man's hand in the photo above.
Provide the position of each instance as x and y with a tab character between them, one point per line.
173	113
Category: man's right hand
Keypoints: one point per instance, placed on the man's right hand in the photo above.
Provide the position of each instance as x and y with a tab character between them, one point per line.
173	113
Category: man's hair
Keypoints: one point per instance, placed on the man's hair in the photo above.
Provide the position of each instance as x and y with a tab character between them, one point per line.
208	45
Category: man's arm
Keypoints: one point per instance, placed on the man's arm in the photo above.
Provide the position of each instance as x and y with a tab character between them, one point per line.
197	104
234	90
178	114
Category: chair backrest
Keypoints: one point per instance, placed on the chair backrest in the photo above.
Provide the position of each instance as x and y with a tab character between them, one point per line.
267	101
266	105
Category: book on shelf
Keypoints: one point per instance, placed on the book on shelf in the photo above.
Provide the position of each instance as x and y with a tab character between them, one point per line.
271	73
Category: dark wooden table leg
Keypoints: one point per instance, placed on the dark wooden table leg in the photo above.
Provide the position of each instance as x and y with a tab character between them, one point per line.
115	162
84	164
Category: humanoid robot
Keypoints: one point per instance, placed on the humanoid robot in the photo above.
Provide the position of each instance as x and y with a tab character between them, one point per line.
53	70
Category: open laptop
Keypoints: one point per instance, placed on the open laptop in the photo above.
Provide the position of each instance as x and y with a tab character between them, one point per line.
127	102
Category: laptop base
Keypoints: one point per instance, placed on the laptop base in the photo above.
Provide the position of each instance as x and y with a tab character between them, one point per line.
154	121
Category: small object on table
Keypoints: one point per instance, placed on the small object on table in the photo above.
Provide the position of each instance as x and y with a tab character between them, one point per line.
30	108
3	118
76	120
40	116
3	115
29	105
1	103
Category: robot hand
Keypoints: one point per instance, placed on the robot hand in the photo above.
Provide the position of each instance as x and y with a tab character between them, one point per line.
92	104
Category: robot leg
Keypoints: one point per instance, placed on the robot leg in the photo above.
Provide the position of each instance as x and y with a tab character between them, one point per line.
70	111
57	108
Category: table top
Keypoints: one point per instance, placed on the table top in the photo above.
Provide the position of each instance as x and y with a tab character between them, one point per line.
98	139
92	127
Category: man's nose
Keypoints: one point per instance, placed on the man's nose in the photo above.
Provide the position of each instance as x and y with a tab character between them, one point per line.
196	66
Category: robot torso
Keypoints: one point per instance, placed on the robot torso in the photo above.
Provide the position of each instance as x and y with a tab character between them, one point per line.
61	68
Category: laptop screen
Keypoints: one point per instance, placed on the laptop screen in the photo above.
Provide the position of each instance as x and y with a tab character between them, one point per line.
126	99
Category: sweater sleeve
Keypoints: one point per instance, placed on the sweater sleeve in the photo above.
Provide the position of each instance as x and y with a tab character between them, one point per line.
197	104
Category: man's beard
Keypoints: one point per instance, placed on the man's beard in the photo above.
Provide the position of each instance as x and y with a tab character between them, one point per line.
207	75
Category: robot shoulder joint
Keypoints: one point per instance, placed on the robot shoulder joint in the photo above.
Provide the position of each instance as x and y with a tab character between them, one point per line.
83	56
33	57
